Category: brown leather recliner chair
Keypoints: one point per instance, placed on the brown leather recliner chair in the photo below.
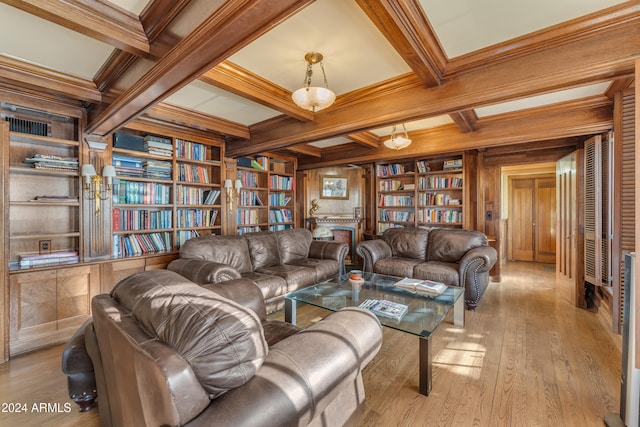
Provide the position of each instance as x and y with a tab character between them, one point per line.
166	351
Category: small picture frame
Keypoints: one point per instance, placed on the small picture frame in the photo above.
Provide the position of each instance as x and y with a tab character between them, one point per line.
334	187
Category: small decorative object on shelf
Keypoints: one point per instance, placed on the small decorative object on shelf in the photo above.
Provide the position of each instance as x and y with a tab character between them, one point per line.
314	207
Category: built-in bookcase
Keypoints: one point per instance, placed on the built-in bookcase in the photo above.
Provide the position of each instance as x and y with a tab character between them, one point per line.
172	195
267	198
423	192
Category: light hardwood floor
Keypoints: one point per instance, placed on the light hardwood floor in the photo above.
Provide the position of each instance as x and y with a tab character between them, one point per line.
525	358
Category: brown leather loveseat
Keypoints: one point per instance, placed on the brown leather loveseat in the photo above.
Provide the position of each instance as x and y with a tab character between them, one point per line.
168	352
278	262
453	256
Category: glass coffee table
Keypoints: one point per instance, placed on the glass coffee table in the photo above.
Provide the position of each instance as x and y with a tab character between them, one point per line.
423	316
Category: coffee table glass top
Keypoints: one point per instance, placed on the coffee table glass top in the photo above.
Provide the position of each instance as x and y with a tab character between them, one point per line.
422	317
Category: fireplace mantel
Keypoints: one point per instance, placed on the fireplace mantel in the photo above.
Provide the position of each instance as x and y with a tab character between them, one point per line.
346	229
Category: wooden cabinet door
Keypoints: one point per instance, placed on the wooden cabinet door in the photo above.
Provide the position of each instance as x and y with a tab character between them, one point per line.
48	306
522	220
545	220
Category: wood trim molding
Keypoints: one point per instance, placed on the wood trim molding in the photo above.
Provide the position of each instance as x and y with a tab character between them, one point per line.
100	20
366	139
4	242
24	74
559	121
407	29
583	28
191	118
466	120
158	14
237	80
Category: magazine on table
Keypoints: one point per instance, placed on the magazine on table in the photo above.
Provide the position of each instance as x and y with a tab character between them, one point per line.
421	286
385	308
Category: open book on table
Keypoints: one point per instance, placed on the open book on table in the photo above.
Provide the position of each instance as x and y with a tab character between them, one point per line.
421	286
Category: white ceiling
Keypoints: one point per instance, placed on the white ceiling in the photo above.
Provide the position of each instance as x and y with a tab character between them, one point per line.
356	54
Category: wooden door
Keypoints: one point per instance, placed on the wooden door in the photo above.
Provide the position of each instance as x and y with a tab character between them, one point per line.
522	219
545	220
569	271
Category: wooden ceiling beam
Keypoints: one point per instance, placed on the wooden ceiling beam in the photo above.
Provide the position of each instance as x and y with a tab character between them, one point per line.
100	20
306	149
584	117
466	120
231	26
407	29
239	81
197	120
365	139
28	75
607	54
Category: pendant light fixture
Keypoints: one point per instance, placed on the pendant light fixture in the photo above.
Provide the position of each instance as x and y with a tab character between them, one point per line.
313	98
397	141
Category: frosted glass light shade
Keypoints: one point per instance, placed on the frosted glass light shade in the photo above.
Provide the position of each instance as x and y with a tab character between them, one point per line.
397	142
313	98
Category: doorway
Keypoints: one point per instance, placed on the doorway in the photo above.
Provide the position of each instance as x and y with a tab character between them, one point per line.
530	195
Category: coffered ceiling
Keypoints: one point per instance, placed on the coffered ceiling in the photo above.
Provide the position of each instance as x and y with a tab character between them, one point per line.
452	70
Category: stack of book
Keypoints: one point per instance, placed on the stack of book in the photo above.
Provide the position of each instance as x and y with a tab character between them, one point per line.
158	146
452	164
49	162
48	259
157	169
55	199
128	166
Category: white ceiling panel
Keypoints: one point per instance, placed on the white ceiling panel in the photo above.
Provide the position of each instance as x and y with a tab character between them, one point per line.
331	142
209	99
54	47
415	125
133	6
542	100
467	25
355	53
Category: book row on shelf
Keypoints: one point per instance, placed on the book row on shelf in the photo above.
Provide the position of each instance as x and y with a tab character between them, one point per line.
280	215
141	219
247	217
248	179
248	229
437	199
279	199
391	169
197	217
393	200
429	182
141	244
190	150
132	192
193	173
187	195
440	215
390	185
277	182
249	198
399	216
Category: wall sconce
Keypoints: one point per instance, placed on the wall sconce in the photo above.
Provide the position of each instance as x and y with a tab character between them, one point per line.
97	187
229	186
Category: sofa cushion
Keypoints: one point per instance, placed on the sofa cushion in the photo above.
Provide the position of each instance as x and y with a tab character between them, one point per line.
409	242
324	268
230	250
263	249
396	266
295	276
270	285
294	244
437	271
451	245
221	340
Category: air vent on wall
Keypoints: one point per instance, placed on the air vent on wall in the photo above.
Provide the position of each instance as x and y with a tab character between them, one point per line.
31	127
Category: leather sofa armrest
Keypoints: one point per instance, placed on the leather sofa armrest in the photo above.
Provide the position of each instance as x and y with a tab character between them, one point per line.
243	291
373	250
329	356
323	249
483	258
201	272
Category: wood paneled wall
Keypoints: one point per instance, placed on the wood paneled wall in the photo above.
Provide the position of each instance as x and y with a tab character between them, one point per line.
332	207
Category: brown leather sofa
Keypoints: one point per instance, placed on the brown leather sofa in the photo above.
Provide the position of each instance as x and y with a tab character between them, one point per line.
278	262
167	352
453	256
